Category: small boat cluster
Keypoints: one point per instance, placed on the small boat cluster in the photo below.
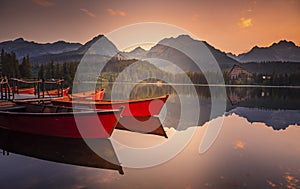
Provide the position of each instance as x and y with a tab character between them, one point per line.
80	115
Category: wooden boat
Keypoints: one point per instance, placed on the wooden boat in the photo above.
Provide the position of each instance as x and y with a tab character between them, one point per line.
93	95
25	90
58	121
61	150
135	108
56	92
21	90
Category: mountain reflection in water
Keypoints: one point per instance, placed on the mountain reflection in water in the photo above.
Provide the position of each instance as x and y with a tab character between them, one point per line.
277	107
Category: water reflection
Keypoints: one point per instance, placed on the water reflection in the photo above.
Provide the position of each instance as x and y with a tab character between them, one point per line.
148	125
277	119
61	150
248	153
245	155
277	107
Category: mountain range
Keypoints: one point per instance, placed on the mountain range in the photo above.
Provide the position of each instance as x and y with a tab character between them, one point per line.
98	47
183	51
283	51
32	49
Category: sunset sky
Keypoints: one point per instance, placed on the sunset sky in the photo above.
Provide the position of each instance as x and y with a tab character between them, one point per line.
232	25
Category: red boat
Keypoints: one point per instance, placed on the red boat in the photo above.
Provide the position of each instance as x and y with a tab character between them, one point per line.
55	92
136	108
25	91
58	121
22	90
94	95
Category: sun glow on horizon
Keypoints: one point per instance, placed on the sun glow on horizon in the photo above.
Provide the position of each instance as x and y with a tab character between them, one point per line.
145	35
145	46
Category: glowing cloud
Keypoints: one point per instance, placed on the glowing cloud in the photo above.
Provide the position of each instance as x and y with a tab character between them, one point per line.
245	22
239	144
113	12
88	12
43	3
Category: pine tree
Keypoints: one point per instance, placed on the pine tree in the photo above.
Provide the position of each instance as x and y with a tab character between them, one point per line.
52	69
41	73
57	72
1	61
66	74
22	68
15	72
49	70
10	65
25	68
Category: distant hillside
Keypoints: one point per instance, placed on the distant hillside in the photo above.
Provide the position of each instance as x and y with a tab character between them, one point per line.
224	61
137	53
23	48
284	51
186	53
98	47
183	51
272	67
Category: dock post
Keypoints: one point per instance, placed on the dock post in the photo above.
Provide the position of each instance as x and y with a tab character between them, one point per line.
43	88
13	89
1	88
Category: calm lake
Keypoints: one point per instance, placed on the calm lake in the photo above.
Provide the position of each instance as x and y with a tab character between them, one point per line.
233	137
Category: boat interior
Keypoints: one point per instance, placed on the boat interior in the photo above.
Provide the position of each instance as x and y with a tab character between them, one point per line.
36	108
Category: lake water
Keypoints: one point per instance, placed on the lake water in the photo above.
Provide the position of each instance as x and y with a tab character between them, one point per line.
246	137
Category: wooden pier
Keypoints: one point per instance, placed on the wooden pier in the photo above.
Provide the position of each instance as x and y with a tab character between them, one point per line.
10	87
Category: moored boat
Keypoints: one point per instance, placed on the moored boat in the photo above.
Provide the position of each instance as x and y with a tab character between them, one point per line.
57	92
59	121
93	95
135	108
21	90
25	90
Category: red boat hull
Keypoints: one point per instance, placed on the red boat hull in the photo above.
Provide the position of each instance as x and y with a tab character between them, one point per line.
147	107
94	95
135	108
55	92
85	125
98	95
22	90
25	91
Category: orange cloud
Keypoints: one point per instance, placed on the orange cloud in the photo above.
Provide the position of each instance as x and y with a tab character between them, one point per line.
43	3
245	22
88	12
239	144
113	12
